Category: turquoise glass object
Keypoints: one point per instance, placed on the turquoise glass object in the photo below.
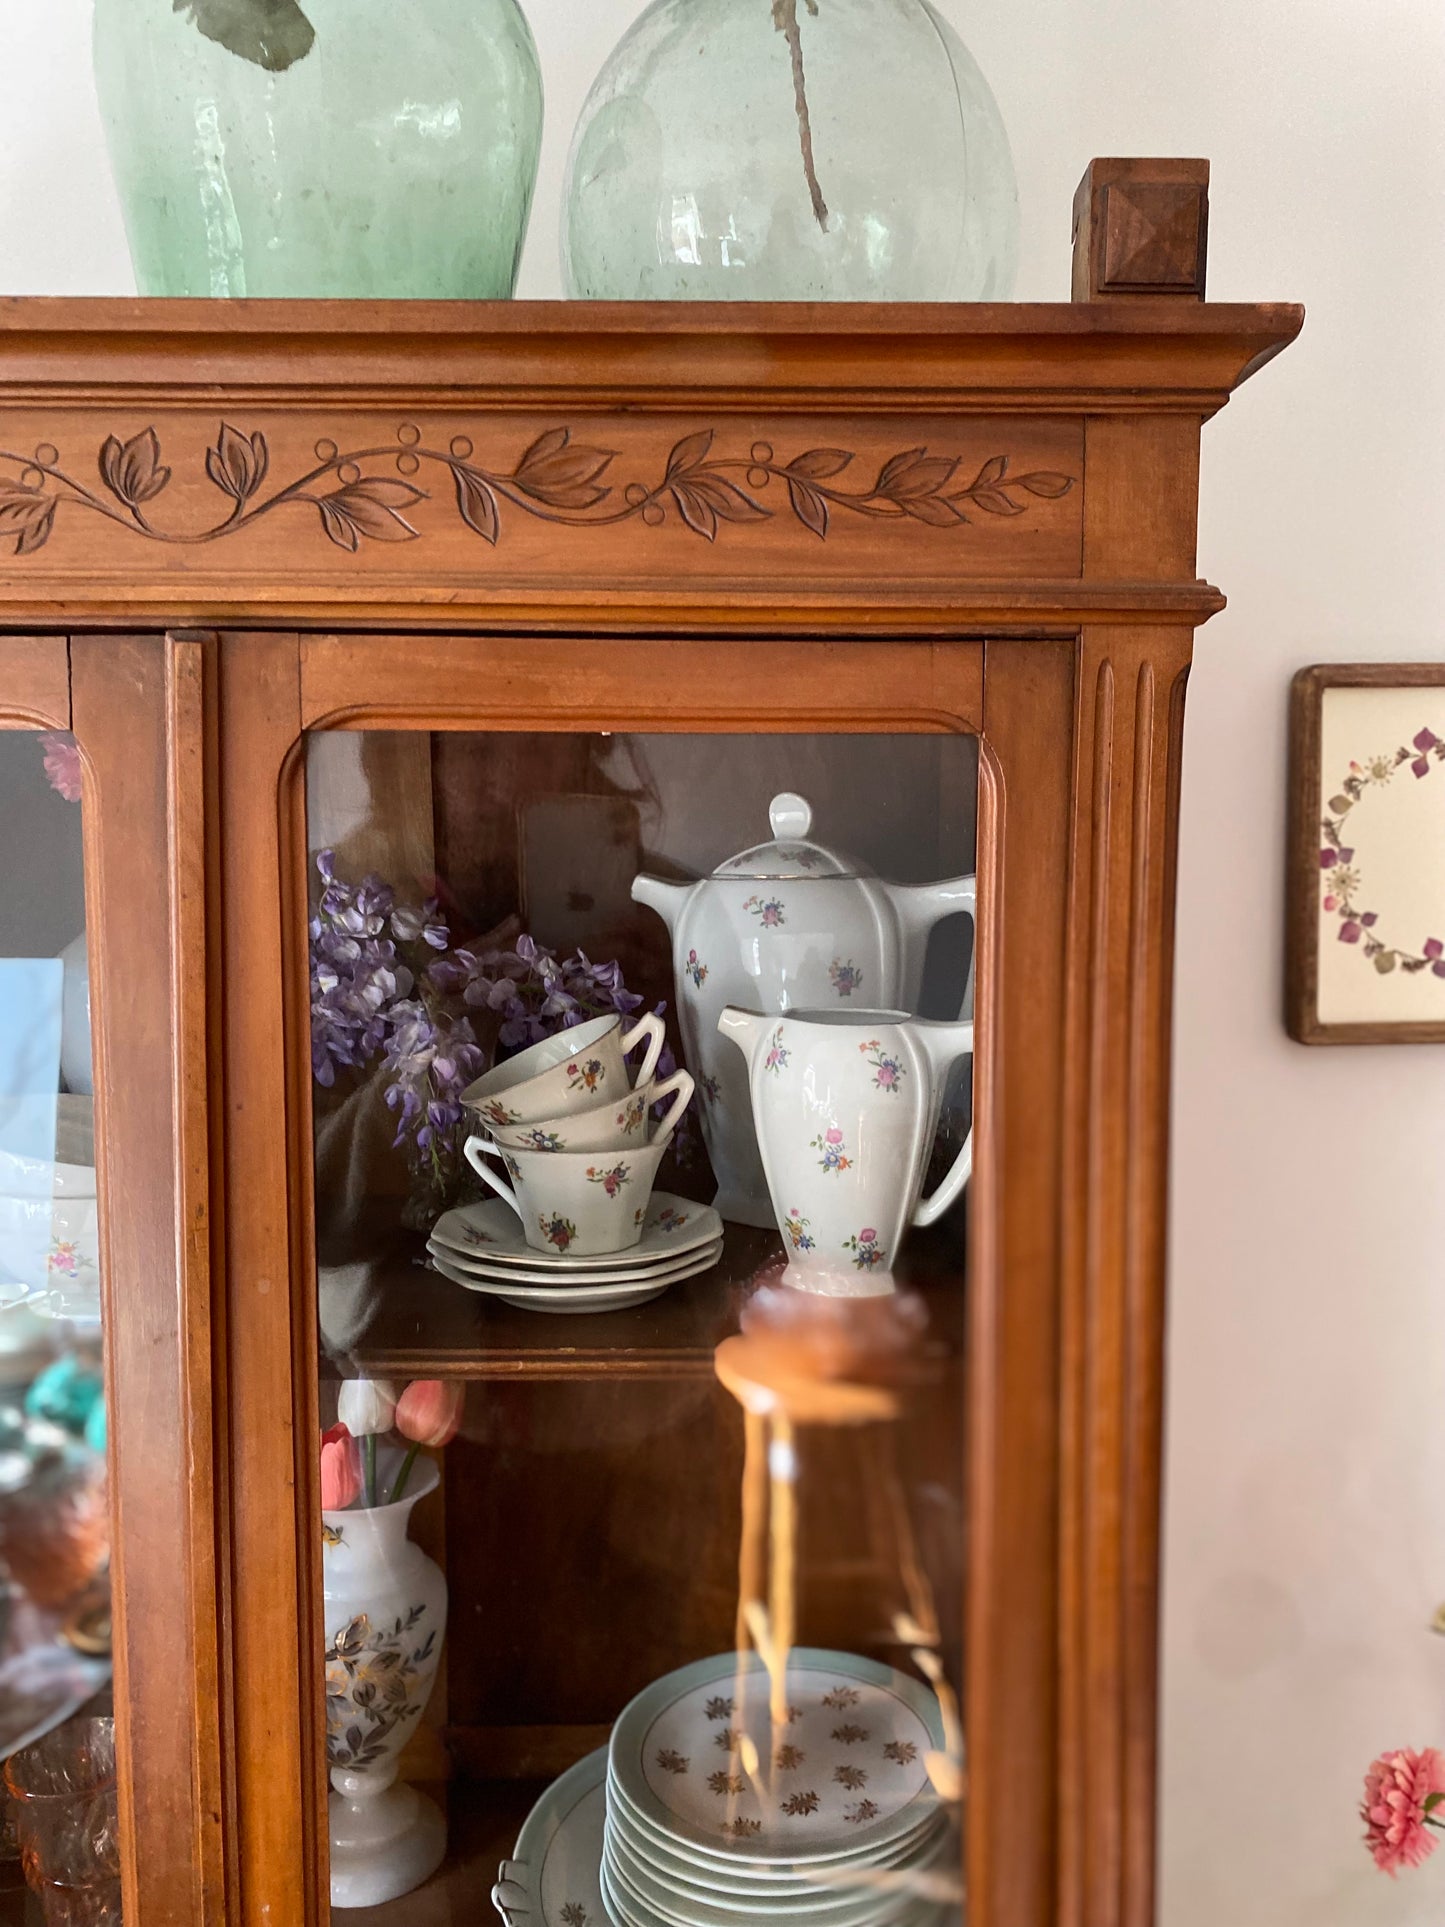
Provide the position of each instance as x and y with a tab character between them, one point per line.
806	150
321	147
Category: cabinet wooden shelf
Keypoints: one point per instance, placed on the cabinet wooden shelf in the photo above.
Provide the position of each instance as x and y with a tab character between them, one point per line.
424	1326
426	586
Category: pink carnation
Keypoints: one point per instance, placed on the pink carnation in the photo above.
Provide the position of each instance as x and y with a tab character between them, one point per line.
1397	1787
62	765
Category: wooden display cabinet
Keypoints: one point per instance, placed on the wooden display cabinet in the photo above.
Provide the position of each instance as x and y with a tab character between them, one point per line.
378	574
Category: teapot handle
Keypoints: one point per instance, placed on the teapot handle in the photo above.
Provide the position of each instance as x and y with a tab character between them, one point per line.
930	1209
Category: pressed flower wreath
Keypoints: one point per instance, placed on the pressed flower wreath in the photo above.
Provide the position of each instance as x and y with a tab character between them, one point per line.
1343	883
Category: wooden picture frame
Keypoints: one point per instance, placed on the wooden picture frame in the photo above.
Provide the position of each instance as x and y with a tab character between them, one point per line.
1357	970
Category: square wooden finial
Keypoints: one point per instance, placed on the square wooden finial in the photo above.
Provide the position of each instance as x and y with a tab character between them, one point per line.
1141	227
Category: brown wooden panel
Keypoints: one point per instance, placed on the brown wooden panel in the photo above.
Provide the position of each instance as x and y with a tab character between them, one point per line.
461	498
440	682
137	729
34	682
258	854
1129	731
1013	1628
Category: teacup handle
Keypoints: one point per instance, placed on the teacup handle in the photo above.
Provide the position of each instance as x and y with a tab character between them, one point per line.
650	1026
684	1085
476	1149
930	1209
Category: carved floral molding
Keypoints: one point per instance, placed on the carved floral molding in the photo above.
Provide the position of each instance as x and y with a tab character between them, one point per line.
366	494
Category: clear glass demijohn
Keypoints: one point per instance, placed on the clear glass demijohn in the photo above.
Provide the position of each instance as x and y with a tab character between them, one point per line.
791	150
314	148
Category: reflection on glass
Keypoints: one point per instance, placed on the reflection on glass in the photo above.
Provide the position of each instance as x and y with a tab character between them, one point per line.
642	1325
55	1731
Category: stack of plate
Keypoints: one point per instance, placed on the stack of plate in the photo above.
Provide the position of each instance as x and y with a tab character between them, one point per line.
702	1813
482	1246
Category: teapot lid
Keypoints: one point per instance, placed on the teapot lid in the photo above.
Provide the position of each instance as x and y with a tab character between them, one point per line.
790	854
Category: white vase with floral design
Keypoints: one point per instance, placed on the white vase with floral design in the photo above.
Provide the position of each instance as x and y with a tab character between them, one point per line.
386	1612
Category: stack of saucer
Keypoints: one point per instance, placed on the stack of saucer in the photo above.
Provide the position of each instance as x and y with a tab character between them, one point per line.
704	1813
482	1247
828	1813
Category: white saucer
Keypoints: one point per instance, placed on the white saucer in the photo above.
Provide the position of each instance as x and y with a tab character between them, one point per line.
576	1299
670	1266
553	1878
494	1231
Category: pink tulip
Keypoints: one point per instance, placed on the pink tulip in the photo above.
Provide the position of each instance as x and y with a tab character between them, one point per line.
340	1470
429	1412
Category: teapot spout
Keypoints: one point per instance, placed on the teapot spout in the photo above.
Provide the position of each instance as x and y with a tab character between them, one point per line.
663	897
744	1027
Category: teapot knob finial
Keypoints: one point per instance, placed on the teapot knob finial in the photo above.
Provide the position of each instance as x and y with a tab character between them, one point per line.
791	816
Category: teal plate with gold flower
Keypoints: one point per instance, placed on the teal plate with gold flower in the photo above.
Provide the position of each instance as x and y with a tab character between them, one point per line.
554	1876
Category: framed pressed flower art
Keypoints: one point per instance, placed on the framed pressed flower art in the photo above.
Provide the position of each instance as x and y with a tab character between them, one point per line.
1365	951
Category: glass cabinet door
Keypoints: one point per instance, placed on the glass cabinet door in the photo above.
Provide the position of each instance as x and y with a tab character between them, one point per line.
61	1835
642	1092
109	1713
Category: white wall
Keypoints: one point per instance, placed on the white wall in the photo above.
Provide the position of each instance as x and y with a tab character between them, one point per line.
1306	1540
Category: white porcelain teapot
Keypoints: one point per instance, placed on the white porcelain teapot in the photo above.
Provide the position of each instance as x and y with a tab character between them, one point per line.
787	925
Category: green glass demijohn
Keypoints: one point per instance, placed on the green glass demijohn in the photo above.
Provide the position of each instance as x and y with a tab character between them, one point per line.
804	150
321	147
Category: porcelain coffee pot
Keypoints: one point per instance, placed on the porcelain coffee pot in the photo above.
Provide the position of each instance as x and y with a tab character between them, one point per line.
787	925
846	1105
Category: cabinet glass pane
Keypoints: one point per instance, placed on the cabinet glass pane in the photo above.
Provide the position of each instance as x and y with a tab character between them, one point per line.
56	1736
705	1496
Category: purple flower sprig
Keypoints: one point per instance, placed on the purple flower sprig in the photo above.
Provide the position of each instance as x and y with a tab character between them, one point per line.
535	994
371	996
386	983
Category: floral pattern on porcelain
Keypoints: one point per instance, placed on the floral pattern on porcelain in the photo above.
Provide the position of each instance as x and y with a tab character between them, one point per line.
834	1152
696	969
768	911
539	1140
799	1236
711	1088
586	1077
375	1678
888	1073
574	1914
558	1231
778	1054
611	1180
496	1112
844	977
63	1260
669	1219
868	1253
630	1117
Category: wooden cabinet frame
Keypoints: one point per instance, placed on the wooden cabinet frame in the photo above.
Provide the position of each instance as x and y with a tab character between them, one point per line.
976	519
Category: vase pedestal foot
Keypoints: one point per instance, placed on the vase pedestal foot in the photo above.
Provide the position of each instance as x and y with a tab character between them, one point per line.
383	1847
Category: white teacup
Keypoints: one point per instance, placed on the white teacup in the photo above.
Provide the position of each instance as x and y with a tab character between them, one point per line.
621	1127
582	1203
577	1070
